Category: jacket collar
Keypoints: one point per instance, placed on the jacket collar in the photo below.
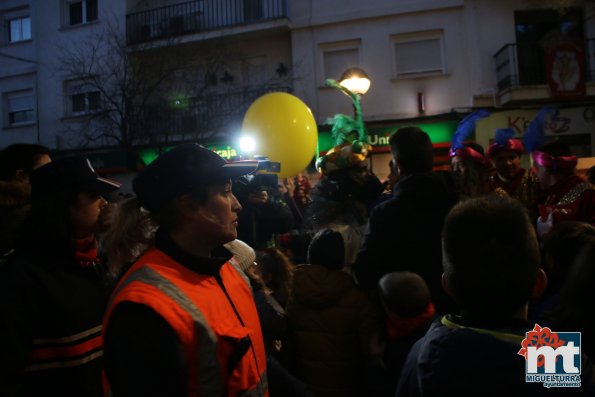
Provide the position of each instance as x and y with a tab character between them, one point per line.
198	264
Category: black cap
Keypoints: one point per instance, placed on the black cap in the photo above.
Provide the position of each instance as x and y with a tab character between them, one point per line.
182	170
68	173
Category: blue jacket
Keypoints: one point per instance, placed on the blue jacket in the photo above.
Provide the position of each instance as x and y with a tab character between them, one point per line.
452	359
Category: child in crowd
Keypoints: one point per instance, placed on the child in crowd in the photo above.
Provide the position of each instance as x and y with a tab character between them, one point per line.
491	268
331	320
273	322
407	302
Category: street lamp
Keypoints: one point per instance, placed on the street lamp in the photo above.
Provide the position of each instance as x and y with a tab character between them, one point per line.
354	83
355	80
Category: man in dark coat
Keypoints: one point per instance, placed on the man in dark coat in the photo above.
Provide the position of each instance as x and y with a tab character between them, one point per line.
403	233
17	162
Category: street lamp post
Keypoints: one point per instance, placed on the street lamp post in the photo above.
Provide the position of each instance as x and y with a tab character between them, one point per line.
354	83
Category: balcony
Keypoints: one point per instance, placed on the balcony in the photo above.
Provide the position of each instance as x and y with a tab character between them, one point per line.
200	16
199	118
521	71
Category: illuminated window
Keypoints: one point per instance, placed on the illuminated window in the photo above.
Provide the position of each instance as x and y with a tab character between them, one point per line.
19	29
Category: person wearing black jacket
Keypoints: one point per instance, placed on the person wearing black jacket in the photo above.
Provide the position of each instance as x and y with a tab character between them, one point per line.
52	287
264	212
403	233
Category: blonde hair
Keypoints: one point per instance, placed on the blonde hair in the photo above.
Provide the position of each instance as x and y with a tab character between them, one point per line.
131	232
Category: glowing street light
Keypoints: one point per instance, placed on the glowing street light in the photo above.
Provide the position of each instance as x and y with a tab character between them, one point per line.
354	83
355	80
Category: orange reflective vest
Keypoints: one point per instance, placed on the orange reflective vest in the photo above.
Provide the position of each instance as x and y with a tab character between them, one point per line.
200	310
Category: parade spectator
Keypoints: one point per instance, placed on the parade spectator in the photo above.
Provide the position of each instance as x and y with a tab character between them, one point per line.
52	295
264	212
388	184
276	270
129	235
406	300
509	177
574	309
491	268
17	162
561	246
182	321
403	234
331	320
566	196
273	321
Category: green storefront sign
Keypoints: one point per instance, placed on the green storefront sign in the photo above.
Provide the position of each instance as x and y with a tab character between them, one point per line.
439	132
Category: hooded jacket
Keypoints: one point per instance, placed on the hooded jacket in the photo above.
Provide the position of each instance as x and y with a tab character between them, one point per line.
331	322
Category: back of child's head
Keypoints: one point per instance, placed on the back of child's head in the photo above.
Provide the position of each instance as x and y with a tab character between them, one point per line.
327	249
490	256
404	293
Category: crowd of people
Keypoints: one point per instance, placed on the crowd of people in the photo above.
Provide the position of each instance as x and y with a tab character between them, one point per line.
211	280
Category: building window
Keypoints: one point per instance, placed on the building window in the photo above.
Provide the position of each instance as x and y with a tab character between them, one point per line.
338	57
19	29
419	54
536	30
81	11
85	102
20	108
81	98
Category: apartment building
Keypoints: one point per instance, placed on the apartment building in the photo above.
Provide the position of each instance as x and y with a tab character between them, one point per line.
430	63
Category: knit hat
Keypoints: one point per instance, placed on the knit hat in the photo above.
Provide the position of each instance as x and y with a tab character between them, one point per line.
243	254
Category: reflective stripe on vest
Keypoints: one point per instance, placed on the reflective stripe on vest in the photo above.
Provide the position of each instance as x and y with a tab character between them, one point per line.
67	351
208	367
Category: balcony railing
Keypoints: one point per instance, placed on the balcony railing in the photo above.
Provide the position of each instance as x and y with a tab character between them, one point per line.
522	65
200	117
199	16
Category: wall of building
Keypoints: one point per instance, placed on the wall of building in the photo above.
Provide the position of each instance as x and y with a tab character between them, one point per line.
18	71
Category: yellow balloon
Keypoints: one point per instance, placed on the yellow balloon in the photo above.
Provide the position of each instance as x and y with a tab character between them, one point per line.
284	130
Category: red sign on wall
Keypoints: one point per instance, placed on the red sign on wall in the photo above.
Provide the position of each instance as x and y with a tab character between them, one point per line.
565	70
